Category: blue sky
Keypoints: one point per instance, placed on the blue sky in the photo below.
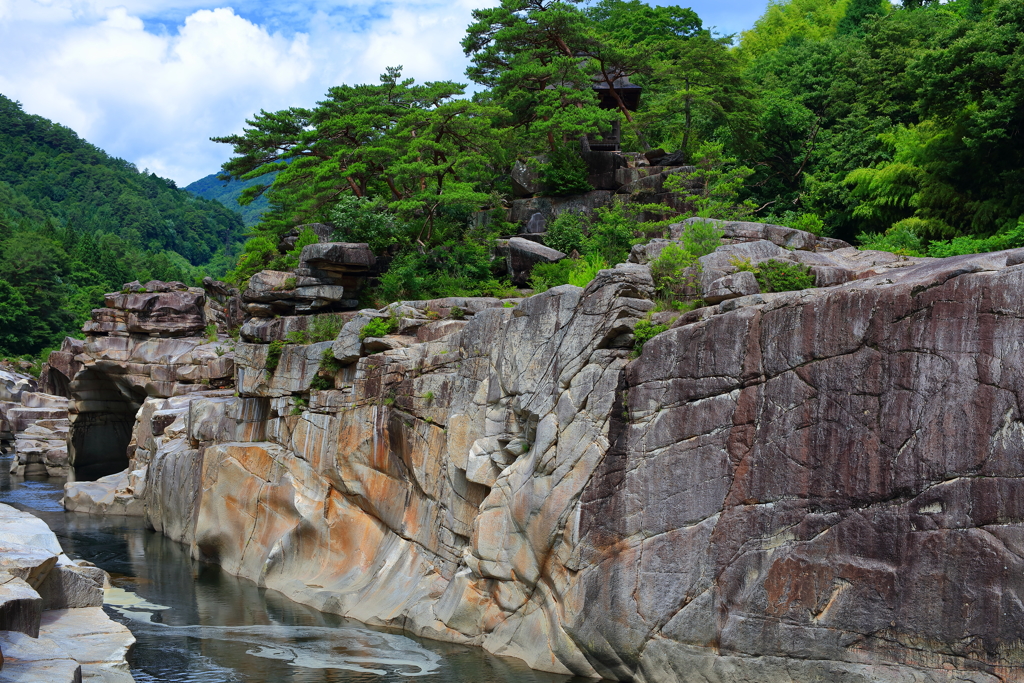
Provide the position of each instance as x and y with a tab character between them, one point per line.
151	80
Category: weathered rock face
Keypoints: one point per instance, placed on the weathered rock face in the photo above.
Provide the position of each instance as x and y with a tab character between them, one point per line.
818	479
52	625
118	369
805	486
61	367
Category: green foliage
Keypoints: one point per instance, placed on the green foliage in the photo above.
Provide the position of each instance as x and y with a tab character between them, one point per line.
783	276
274	354
612	233
297	337
325	327
566	232
586	269
694	92
532	57
857	13
565	171
675	275
544	276
76	223
814	20
457	313
328	363
1010	239
211	332
321	383
361	219
808	222
379	327
643	332
700	238
713	188
452	269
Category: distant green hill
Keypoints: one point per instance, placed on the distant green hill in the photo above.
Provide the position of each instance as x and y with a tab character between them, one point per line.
227	194
76	222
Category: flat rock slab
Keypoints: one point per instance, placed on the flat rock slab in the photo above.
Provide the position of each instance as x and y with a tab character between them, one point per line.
36	660
92	639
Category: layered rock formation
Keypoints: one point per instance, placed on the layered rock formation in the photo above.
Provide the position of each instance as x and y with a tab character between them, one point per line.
52	625
804	486
34	425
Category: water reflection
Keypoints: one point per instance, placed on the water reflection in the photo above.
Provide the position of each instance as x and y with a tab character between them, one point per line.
197	624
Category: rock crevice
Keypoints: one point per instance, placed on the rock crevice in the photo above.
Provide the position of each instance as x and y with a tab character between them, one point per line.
798	486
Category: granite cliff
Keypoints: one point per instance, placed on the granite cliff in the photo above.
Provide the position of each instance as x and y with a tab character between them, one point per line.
814	485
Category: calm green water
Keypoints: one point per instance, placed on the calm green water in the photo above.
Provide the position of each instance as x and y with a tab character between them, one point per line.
196	623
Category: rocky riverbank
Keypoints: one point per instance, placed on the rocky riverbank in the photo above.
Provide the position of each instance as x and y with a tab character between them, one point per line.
813	485
52	625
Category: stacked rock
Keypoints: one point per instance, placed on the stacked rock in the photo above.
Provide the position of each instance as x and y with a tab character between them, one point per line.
327	279
159	309
41	441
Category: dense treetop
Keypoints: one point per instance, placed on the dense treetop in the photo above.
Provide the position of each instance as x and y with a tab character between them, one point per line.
898	127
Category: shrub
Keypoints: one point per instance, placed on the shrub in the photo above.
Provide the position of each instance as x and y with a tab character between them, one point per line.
457	313
274	354
297	337
211	332
586	269
898	240
783	276
321	383
713	189
325	327
544	276
379	327
566	233
643	332
957	246
672	282
453	269
612	233
700	239
328	362
808	222
565	172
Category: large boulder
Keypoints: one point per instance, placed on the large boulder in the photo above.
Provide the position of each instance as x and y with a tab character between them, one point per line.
524	255
742	231
174	313
338	257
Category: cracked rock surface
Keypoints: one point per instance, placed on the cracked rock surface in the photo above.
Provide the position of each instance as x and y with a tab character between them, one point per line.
823	485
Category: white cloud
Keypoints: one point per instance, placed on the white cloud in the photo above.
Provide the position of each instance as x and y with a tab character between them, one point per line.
152	90
151	80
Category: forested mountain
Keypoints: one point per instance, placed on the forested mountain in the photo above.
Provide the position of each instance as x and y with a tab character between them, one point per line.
897	127
227	193
76	223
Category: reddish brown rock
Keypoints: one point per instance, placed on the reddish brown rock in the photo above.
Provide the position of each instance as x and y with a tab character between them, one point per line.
833	477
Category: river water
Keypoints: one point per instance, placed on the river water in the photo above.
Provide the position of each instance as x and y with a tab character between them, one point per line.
196	623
